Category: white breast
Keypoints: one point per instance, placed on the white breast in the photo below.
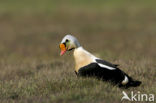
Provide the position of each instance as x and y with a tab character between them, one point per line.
82	58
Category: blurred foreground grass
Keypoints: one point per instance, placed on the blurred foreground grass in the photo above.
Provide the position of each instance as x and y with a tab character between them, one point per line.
122	32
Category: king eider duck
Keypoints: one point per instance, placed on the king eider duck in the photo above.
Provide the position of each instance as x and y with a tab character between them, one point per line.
88	65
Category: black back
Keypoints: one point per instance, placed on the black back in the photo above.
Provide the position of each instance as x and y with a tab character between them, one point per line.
94	70
106	63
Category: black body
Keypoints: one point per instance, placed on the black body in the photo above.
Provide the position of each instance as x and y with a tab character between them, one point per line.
116	76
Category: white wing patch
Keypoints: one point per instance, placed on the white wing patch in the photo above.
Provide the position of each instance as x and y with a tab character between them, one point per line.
105	66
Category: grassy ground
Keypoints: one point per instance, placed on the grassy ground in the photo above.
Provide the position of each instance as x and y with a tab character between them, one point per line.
31	70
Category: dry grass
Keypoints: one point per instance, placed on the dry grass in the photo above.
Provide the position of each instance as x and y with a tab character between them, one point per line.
32	70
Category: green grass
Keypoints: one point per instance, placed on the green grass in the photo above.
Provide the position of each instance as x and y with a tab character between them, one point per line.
122	32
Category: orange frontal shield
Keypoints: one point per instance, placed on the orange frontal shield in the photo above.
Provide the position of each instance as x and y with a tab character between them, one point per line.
63	49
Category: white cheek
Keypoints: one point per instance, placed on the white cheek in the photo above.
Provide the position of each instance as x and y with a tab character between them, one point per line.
71	46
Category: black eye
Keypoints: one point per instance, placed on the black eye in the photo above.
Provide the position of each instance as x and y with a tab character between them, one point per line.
67	40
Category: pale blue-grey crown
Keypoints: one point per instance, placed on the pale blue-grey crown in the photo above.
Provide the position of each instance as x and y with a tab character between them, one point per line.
72	39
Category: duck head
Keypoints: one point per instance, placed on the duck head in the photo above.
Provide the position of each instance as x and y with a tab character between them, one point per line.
68	43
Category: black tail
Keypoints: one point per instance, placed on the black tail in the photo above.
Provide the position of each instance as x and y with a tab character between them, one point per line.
131	83
134	83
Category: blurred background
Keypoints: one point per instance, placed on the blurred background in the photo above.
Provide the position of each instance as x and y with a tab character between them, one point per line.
120	31
35	28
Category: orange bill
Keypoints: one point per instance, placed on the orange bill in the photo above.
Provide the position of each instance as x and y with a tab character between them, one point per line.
63	49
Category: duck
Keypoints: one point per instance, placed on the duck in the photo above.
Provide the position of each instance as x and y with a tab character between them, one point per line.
88	65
